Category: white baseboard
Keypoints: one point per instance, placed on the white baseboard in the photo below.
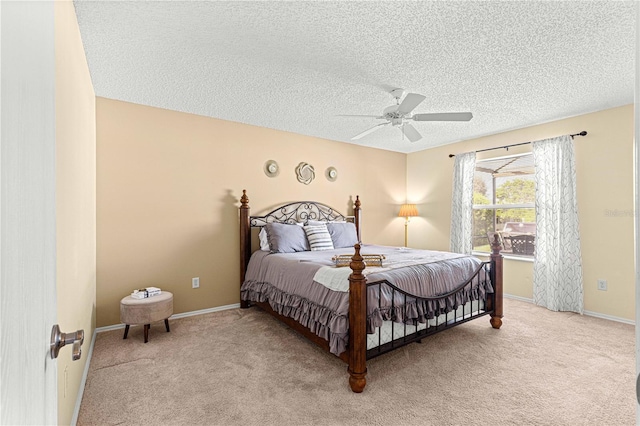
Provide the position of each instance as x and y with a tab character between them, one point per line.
176	316
206	311
83	382
520	298
588	313
609	317
76	410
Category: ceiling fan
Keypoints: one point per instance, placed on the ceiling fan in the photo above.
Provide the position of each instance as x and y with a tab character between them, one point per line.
399	115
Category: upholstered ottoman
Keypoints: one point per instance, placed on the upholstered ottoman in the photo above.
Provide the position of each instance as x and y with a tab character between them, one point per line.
145	311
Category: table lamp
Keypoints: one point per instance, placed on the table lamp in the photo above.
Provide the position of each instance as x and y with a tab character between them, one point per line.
407	211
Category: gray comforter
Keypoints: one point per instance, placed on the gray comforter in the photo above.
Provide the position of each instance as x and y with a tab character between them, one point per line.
287	282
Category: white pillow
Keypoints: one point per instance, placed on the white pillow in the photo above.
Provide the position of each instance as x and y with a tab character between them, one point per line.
319	237
264	239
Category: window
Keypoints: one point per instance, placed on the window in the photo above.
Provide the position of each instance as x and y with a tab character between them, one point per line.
504	202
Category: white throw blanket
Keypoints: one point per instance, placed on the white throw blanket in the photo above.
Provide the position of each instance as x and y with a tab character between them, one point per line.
337	279
333	278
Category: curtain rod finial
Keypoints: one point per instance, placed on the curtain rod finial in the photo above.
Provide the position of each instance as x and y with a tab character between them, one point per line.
451	155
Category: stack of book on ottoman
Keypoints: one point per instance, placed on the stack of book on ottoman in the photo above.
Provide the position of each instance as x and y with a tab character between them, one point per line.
146	292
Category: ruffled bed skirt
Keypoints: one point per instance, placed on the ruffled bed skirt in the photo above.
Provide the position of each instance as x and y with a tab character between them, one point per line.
323	322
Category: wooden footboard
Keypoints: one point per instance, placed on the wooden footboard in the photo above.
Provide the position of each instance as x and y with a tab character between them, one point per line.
357	350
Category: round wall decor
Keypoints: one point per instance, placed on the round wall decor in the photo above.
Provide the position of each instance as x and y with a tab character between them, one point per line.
332	174
271	168
305	173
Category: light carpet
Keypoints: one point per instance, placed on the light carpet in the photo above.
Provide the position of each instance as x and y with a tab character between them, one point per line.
242	367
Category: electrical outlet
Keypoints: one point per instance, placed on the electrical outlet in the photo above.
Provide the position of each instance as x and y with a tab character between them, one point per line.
195	282
602	285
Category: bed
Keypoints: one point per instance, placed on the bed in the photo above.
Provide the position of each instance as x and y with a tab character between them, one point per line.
358	312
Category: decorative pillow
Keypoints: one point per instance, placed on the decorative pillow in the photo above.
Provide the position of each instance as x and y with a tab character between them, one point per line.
286	238
343	234
264	239
319	237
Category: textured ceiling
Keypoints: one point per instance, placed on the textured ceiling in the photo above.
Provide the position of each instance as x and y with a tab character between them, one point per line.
296	66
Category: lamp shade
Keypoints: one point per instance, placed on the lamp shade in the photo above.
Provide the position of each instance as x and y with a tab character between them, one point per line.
408	210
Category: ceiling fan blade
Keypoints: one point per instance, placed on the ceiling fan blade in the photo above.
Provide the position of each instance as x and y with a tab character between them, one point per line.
411	133
371	130
443	116
410	101
353	115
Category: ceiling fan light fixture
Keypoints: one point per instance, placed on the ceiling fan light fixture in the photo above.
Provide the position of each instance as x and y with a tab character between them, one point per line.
399	115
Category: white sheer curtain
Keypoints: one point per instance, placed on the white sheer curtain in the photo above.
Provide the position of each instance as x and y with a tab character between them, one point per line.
557	268
462	203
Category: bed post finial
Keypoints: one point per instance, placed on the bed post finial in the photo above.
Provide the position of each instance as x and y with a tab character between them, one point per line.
495	244
357	323
244	200
496	278
357	264
356	214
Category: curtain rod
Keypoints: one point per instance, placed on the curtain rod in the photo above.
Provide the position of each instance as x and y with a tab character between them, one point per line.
582	133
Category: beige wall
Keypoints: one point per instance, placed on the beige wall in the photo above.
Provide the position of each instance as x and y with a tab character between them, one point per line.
75	201
169	185
604	168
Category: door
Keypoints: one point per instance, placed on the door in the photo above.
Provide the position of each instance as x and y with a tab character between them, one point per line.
28	381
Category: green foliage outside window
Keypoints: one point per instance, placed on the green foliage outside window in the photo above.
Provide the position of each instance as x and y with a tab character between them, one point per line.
516	191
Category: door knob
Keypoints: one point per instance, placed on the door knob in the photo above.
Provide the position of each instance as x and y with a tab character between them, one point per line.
60	339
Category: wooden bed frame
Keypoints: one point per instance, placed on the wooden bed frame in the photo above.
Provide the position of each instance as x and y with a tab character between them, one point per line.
356	354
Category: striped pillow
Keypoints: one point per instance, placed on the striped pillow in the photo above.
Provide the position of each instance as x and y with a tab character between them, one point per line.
319	237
